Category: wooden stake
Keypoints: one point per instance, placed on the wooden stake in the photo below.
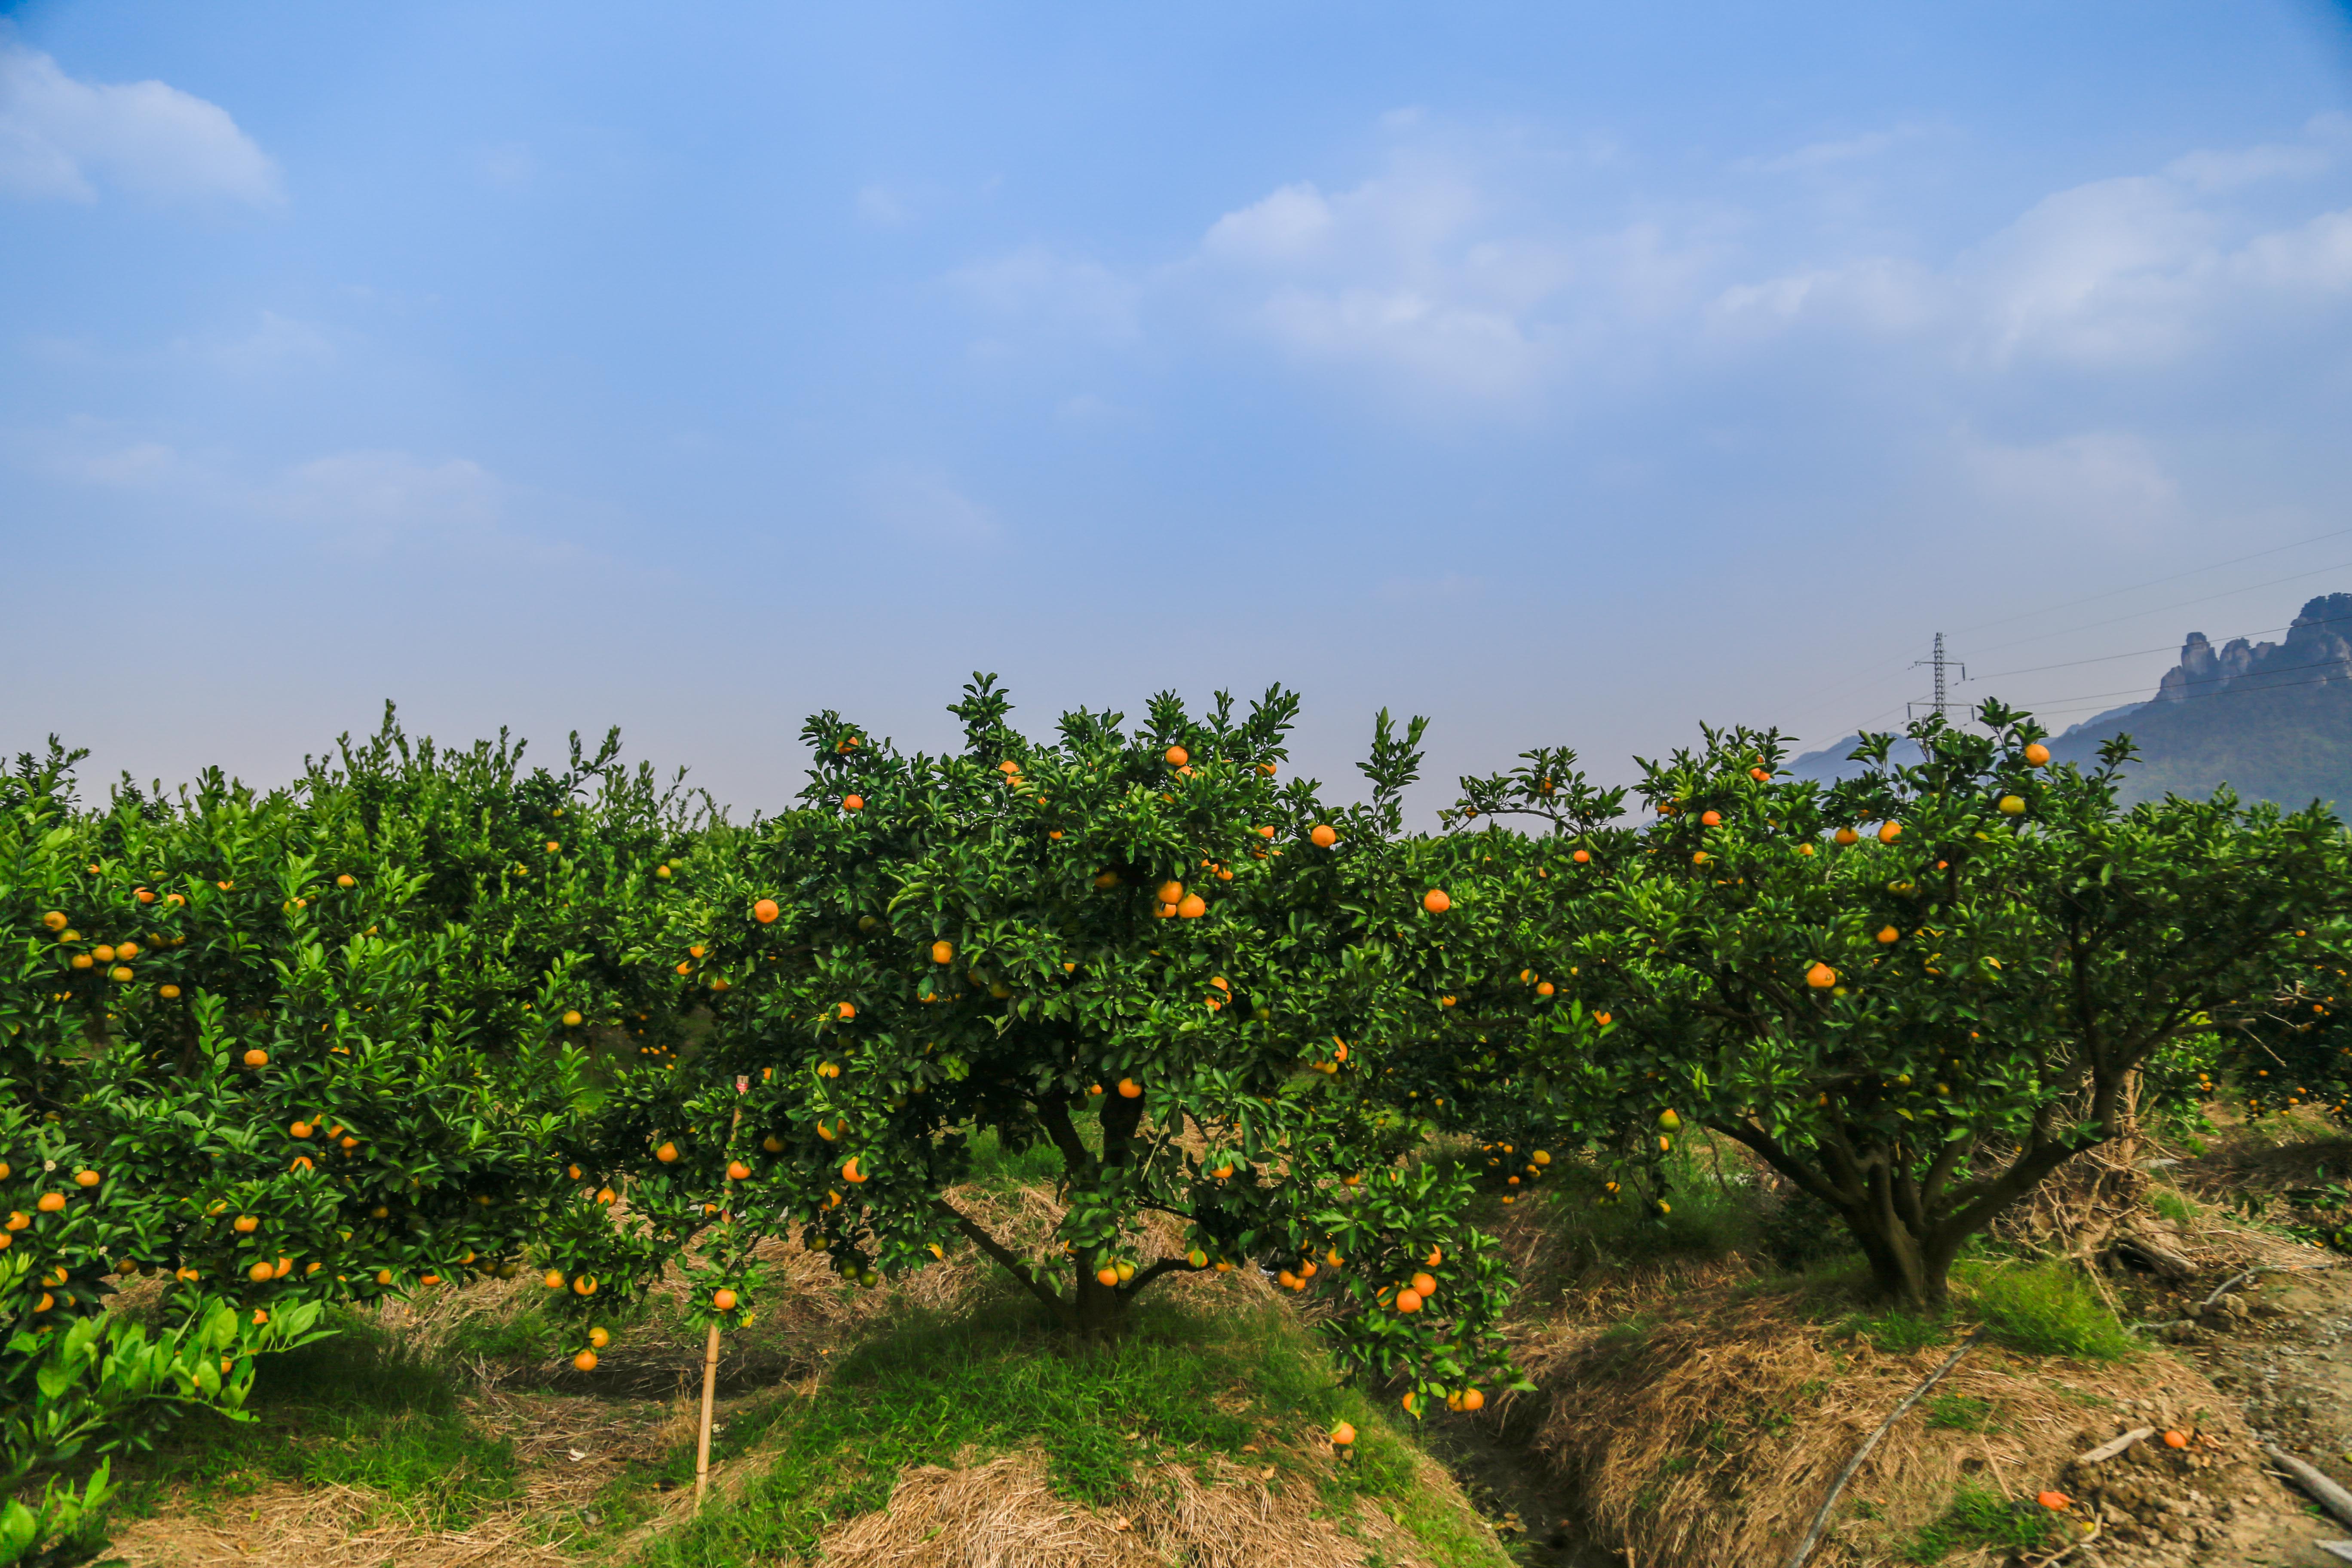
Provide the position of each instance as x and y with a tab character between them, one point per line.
702	1438
710	1345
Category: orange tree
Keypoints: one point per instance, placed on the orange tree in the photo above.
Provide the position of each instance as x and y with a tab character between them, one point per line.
1918	994
1137	949
285	1048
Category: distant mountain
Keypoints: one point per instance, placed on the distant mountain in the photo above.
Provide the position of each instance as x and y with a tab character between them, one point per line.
2274	720
1829	764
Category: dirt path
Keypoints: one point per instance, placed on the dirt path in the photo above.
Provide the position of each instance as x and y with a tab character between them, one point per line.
2282	1350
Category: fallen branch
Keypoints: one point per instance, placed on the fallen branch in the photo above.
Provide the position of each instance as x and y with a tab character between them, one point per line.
2110	1449
2207	1304
2326	1493
1821	1518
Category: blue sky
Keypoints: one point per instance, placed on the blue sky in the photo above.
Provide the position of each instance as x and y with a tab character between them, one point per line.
1571	372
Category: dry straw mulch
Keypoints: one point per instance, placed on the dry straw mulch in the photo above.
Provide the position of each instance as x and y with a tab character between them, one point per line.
1713	1437
1003	1514
574	1435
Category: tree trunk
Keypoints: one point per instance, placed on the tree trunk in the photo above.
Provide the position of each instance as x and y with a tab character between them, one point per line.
1905	1271
1096	1310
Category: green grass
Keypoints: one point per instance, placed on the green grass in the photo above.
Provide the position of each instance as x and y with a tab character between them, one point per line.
357	1410
2045	1309
1897	1331
528	1335
2172	1206
1708	1217
1960	1413
996	1166
1980	1517
1177	1388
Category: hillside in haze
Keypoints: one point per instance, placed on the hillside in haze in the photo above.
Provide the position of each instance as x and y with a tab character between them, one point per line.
2274	720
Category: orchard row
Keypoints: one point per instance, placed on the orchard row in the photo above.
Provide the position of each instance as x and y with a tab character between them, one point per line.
432	1014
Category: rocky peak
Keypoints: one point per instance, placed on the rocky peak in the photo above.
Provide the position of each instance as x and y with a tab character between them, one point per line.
2318	649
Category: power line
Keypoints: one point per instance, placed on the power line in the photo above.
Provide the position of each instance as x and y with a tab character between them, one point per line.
2181	604
2107	658
2157	583
2210	696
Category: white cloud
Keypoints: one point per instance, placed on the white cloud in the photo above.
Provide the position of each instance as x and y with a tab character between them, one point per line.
2118	274
1079	296
61	138
2110	481
1414	272
374	501
510	166
884	208
924	508
275	342
1819	155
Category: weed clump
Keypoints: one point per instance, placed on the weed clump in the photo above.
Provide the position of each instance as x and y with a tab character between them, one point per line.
2047	1309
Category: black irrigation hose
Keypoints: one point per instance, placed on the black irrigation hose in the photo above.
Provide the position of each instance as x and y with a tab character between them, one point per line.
1822	1519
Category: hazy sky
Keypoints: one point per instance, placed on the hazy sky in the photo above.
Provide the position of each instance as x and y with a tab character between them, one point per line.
1571	372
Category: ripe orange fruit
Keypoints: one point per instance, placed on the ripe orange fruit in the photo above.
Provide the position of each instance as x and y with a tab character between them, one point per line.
1888	832
87	1178
853	803
1544	988
586	1361
1821	977
849	1170
1581	855
168	992
1106	1276
1711	819
1324	836
584	1286
1169	893
256	1057
1129	1090
1342	1434
666	1153
1436	901
1222	1172
1759	775
259	1272
572	1019
1408	1300
1192	907
1178	756
2175	1440
1473	1400
942	953
2009	805
2056	1502
723	1300
347	880
1888	933
845	1011
1848	836
244	1225
1411	1403
737	1171
552	1280
2037	756
1424	1286
765	911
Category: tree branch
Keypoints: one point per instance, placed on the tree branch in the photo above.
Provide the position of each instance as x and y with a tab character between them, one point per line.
1006	1259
